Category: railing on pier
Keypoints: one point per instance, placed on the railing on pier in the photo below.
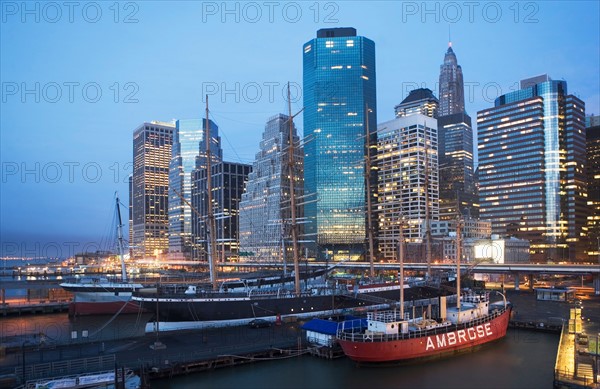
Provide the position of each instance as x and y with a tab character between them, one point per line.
68	367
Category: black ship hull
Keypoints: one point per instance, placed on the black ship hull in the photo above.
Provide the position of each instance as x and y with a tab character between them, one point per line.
197	308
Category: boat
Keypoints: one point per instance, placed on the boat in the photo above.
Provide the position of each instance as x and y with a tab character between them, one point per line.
307	296
97	295
182	308
393	336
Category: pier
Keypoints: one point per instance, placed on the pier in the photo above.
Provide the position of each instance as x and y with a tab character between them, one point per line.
185	352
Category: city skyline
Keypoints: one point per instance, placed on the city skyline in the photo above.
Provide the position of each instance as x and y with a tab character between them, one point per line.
62	160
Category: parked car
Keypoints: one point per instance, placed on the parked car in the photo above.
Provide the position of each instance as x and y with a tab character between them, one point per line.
259	323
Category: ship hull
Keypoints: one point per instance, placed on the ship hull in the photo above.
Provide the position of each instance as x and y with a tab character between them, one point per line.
235	308
103	308
102	299
432	345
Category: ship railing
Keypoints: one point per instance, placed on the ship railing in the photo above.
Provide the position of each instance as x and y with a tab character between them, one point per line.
353	331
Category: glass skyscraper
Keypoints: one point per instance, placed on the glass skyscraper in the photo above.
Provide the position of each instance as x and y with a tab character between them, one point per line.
593	180
188	145
152	144
198	187
339	86
265	206
531	168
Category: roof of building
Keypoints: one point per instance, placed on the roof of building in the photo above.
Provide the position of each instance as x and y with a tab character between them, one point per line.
329	327
419	94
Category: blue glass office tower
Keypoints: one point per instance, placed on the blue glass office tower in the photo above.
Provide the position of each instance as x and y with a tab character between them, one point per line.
188	145
531	168
338	86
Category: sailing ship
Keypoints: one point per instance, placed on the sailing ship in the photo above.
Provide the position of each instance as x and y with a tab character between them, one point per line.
99	295
309	295
391	336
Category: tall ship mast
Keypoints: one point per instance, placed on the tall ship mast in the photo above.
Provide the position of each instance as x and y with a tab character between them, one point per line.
368	194
292	178
96	295
212	246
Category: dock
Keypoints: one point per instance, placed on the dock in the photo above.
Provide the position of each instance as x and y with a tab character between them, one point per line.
183	352
577	364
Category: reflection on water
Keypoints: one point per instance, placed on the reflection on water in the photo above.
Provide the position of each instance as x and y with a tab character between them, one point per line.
59	328
523	359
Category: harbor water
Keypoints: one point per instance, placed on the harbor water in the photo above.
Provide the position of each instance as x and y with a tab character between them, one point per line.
523	359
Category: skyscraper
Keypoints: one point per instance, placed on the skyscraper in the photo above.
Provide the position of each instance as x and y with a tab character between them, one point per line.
265	205
339	101
455	133
188	146
457	179
152	142
407	180
593	180
452	89
228	182
531	168
198	190
420	101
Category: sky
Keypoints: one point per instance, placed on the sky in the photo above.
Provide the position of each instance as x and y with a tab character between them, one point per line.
78	77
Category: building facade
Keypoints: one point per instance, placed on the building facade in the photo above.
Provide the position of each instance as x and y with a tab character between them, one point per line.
531	168
199	193
152	143
407	182
458	193
188	147
265	205
457	181
593	180
419	101
339	89
452	90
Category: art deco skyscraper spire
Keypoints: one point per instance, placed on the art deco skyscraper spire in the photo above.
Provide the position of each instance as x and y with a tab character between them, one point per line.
452	89
455	135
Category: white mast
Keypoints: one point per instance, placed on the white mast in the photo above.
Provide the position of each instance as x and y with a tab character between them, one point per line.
120	240
401	255
458	256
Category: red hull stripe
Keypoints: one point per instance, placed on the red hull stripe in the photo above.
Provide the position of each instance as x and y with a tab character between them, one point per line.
427	346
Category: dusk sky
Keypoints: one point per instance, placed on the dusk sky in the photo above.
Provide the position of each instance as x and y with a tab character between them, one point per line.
77	79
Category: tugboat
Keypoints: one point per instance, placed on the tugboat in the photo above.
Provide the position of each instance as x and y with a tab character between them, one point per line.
100	296
392	336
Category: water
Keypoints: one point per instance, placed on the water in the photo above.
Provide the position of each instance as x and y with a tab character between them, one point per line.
523	359
58	328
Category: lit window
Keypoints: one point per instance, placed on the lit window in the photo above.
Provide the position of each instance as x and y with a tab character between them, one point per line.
328	43
349	43
307	48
